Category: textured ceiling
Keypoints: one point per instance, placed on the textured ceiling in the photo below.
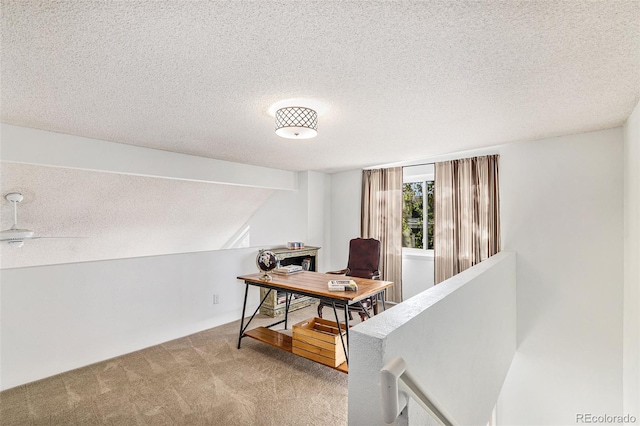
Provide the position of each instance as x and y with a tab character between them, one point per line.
393	81
121	216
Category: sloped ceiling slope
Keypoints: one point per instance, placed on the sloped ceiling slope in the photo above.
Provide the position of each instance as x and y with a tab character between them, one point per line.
392	81
120	215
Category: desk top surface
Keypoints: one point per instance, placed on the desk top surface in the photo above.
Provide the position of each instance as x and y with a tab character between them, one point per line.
316	283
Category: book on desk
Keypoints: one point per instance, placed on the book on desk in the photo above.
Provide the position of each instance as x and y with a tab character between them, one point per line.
342	285
288	269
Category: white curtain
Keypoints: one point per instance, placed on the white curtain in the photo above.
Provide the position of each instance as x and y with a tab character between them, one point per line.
467	214
382	220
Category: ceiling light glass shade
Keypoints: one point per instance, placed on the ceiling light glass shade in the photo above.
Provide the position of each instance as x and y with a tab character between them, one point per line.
296	123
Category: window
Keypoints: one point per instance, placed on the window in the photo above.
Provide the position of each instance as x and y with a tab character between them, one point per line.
418	210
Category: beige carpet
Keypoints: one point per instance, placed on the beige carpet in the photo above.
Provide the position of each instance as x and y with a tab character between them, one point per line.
200	379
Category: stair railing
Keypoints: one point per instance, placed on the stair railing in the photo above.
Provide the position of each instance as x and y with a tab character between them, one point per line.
398	386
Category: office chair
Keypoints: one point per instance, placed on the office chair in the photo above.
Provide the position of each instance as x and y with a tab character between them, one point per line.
364	262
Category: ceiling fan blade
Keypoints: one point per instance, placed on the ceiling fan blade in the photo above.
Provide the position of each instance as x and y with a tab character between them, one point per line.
55	238
15	234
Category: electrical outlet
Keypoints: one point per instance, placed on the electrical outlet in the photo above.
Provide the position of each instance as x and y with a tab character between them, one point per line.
216	299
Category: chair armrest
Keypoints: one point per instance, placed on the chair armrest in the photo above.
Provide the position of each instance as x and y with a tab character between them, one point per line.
340	272
377	275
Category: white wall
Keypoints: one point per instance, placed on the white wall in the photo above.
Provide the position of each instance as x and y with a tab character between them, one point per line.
282	218
56	318
631	360
561	211
302	215
457	338
346	190
417	273
319	215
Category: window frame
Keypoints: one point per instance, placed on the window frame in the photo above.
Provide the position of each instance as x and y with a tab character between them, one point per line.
420	252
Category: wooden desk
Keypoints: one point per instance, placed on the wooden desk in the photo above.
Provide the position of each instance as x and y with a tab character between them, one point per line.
312	284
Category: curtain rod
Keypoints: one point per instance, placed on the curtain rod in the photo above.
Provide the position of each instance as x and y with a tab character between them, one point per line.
387	166
437	159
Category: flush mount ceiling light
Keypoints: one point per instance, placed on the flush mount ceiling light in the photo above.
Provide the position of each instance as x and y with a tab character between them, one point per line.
296	123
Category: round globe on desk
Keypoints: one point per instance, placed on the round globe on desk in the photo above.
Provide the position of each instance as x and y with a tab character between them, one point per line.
266	261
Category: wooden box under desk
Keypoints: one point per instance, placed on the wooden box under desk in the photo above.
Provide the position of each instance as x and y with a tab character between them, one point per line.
319	340
274	305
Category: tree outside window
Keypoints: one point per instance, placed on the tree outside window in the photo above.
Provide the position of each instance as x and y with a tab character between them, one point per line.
418	215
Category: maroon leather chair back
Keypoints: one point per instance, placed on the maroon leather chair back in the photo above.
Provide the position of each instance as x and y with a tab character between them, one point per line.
364	258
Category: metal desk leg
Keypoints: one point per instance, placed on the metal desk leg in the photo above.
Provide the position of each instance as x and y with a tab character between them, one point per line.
346	321
244	307
243	327
366	312
384	296
344	346
287	303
